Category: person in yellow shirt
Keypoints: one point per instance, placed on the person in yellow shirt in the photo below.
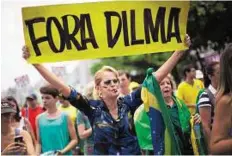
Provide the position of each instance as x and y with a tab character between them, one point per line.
133	86
66	107
189	88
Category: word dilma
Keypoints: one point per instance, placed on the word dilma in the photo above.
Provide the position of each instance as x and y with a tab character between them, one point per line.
83	25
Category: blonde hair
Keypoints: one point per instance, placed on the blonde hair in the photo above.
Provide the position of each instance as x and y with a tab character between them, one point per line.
225	81
98	78
98	75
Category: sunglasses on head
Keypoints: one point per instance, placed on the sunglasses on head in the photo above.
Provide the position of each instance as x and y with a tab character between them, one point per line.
108	82
9	103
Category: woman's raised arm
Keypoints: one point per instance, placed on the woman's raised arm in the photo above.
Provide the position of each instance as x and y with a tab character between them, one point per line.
49	76
167	67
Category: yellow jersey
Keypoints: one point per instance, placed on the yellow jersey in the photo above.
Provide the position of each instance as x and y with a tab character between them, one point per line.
188	93
71	111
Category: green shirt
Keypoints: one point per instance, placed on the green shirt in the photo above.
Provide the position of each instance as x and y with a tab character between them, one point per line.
173	111
182	138
82	119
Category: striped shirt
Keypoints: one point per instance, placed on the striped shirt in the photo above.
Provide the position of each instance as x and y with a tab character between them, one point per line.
205	101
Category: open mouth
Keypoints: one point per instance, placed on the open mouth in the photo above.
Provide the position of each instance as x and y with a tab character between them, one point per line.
166	91
114	90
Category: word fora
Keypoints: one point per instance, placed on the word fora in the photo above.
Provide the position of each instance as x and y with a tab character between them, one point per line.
84	25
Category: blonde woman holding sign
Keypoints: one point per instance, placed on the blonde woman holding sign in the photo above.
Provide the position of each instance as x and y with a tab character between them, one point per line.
108	115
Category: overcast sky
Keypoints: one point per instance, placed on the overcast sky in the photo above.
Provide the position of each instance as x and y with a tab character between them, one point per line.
12	40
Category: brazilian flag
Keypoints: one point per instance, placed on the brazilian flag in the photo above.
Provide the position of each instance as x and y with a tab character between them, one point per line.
143	129
162	131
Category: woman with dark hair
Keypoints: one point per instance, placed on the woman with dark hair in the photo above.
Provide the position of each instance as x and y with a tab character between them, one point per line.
19	121
14	103
221	136
206	102
14	141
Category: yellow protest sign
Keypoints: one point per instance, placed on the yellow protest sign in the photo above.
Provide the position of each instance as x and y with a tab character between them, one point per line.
103	29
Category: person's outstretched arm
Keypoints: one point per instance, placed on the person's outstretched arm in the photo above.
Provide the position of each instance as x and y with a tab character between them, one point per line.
133	100
167	67
74	97
49	76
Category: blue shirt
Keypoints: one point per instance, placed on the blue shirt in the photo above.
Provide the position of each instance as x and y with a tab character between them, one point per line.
111	136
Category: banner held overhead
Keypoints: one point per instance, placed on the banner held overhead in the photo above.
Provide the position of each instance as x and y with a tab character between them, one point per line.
103	29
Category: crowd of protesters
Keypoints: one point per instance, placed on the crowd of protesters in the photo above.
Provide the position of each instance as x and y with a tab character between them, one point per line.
108	118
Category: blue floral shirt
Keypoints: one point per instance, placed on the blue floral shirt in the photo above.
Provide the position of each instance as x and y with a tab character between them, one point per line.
111	136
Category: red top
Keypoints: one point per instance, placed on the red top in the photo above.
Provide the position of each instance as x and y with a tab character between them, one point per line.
31	115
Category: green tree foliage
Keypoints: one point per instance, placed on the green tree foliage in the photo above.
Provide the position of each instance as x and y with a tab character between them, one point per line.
136	62
207	21
210	20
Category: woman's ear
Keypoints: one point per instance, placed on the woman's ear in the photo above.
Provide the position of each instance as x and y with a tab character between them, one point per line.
95	93
98	92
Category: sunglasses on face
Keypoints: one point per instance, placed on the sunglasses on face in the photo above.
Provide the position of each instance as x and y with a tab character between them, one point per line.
108	82
30	99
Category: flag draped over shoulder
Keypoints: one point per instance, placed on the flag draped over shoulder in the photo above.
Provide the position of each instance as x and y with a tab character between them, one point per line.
143	128
162	131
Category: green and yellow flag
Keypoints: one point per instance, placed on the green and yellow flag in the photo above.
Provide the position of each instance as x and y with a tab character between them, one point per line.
162	131
143	128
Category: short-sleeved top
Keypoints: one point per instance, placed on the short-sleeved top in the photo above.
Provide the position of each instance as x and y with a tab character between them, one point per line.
31	114
205	101
83	119
54	133
111	137
71	111
188	93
